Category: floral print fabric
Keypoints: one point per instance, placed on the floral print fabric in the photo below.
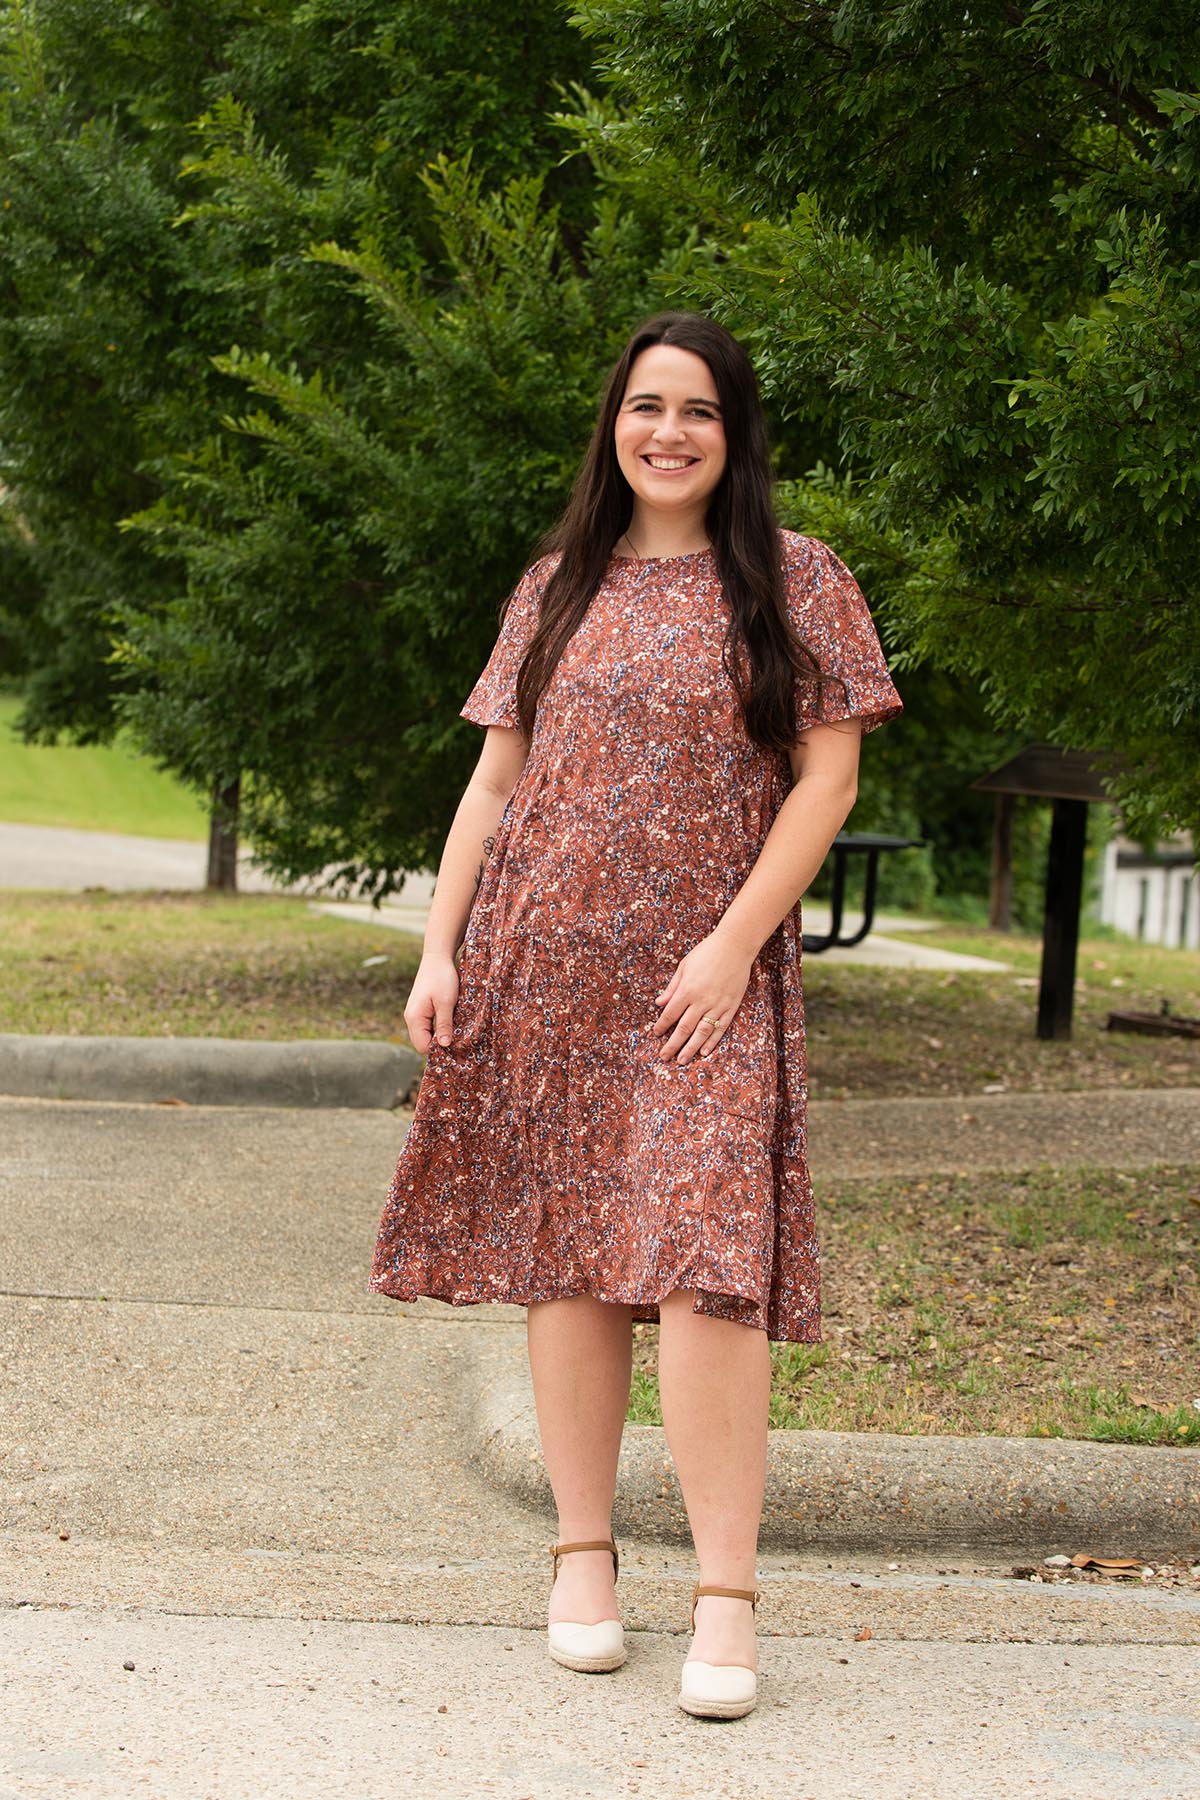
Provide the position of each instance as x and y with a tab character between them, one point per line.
552	1152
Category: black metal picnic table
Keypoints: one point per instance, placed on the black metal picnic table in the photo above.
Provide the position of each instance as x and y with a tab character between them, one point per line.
846	844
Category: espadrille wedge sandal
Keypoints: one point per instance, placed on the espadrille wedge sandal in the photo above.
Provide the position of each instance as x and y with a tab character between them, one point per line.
593	1649
719	1690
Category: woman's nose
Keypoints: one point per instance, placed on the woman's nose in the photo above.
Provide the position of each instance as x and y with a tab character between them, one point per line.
669	428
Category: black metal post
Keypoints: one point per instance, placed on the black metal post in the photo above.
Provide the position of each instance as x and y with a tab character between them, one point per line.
1060	933
868	918
837	898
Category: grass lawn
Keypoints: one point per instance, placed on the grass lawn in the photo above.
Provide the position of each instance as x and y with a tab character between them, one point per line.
93	787
1040	1304
874	1031
197	965
261	966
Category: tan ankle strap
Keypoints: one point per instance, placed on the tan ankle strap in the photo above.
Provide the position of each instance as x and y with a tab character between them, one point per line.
557	1550
750	1594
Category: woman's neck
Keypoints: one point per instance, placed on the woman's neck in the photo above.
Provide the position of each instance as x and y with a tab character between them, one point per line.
651	536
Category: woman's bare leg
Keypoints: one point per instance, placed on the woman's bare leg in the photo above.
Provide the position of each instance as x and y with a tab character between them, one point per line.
714	1378
581	1359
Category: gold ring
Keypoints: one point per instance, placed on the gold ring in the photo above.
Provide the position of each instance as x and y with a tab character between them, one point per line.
714	1022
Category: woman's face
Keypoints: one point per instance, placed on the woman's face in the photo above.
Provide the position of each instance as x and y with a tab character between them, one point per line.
669	437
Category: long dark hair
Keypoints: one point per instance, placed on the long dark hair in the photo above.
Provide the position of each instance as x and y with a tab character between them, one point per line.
740	522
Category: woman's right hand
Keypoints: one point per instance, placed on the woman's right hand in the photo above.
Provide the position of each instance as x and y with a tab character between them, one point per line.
430	1009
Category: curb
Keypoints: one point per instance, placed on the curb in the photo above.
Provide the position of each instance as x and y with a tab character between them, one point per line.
876	1491
208	1071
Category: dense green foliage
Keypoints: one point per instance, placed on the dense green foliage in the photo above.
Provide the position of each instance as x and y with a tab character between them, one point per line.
303	315
963	244
350	537
288	390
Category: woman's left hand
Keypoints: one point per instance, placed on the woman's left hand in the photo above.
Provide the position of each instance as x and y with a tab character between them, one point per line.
708	984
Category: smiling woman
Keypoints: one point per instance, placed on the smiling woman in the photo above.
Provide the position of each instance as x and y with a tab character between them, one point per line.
611	1126
670	445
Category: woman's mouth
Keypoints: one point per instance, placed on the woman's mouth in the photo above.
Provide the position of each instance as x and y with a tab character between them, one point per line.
668	464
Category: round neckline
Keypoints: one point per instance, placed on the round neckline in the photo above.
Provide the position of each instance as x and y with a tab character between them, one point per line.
684	556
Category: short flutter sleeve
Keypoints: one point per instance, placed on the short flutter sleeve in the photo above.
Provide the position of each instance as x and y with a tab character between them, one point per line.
828	611
493	699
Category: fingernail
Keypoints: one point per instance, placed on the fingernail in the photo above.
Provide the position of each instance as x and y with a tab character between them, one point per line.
444	1039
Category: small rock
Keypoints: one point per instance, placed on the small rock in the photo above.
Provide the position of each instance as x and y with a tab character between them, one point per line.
1057	1562
127	1665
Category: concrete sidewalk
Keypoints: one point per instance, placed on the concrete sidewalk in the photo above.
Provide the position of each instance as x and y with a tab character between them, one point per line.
204	1708
230	1466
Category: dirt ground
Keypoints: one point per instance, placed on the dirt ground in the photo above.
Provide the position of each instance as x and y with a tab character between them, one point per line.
1024	1304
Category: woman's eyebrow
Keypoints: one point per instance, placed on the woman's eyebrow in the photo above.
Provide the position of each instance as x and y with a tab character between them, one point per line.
694	401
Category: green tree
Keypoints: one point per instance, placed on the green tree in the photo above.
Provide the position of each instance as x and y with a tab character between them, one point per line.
963	244
166	172
348	546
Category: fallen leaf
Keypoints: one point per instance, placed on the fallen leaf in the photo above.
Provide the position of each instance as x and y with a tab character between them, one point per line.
1108	1565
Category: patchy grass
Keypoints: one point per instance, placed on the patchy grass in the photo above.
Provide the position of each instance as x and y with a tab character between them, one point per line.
1040	1304
197	965
92	787
877	1031
263	966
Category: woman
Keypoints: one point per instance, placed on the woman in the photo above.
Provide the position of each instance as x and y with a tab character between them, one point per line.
611	1122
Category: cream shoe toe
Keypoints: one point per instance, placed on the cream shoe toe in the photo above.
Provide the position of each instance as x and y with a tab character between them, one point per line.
593	1649
718	1690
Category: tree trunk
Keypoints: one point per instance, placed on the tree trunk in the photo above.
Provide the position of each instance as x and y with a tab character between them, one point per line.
223	837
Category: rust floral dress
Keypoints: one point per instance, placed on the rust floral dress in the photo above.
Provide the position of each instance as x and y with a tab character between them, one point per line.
552	1152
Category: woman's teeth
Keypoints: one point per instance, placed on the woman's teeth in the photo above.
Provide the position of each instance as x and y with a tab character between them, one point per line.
670	462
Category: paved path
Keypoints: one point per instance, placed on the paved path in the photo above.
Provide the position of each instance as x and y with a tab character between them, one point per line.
37	856
43	856
197	1708
242	1528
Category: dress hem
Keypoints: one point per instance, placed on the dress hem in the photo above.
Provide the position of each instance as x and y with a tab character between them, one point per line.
645	1311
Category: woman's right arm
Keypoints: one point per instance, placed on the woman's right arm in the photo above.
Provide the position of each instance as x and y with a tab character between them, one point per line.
430	1009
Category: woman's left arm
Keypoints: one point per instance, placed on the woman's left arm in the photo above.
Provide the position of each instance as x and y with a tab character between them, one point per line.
712	978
